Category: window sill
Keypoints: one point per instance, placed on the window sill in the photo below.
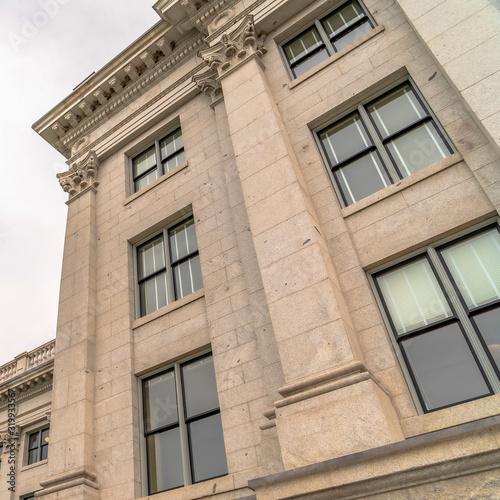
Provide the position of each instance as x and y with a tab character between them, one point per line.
450	417
335	57
33	466
168	308
155	183
403	184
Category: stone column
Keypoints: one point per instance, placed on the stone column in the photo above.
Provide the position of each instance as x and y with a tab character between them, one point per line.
327	393
70	459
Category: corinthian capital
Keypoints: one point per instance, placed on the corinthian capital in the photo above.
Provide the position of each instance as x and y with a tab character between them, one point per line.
234	48
208	84
11	436
80	176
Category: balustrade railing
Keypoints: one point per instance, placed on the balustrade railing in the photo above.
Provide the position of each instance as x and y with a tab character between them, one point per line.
27	360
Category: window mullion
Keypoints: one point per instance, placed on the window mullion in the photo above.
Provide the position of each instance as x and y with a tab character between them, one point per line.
324	36
463	317
186	464
386	160
169	270
159	164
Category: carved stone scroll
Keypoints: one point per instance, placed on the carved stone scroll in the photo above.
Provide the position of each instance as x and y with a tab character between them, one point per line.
80	176
232	49
209	84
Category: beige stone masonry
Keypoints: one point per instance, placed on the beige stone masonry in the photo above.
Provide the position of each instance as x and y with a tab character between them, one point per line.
311	332
71	439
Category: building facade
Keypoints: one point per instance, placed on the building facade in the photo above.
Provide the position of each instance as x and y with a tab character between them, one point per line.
280	274
25	406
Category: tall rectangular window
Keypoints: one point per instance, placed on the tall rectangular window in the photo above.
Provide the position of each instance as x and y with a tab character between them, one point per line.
163	156
382	142
331	34
444	310
182	426
168	266
38	446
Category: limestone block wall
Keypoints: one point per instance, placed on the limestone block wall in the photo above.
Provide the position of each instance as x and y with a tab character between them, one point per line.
440	200
286	306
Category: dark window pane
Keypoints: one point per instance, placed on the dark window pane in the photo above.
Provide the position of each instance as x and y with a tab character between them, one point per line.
153	293
396	110
45	436
165	461
33	456
488	323
174	161
171	144
151	257
200	390
160	400
362	177
417	149
343	18
144	161
443	367
344	139
45	450
310	62
184	277
147	179
182	240
34	440
303	45
352	35
207	447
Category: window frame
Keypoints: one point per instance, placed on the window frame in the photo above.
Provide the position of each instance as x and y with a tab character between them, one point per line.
160	162
378	146
39	448
324	38
168	269
182	424
460	315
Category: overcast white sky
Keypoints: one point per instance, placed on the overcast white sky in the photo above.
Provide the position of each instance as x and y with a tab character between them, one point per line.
47	47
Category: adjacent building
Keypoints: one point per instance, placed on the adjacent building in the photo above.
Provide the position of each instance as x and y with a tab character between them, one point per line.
281	273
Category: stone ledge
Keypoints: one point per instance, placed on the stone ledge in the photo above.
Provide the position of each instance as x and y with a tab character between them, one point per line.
67	481
485	460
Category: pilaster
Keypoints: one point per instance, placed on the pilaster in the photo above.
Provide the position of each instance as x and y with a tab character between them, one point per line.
71	436
315	341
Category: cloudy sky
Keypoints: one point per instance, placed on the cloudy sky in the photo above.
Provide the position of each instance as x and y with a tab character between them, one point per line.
47	47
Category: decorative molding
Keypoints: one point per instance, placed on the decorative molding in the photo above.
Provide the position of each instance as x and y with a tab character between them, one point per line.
139	84
209	84
101	138
80	477
234	48
11	437
80	176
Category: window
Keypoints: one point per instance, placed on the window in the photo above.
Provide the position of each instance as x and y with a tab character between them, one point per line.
337	30
29	497
38	445
182	426
146	168
443	307
382	142
168	267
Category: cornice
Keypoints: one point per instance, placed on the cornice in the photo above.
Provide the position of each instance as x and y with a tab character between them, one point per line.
28	387
86	146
